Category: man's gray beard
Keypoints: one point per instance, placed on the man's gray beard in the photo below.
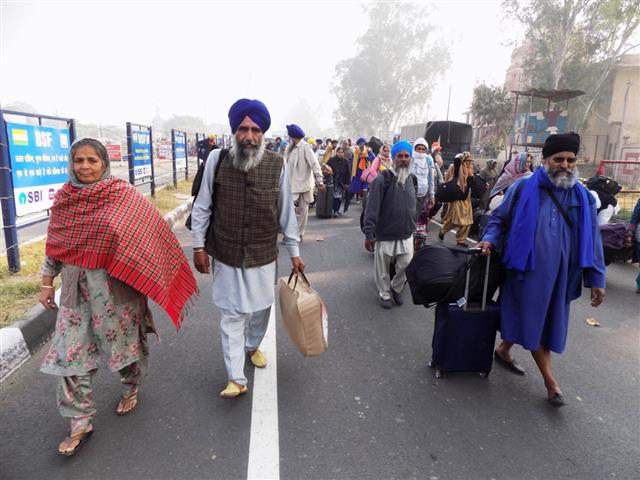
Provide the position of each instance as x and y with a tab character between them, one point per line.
561	180
247	158
402	173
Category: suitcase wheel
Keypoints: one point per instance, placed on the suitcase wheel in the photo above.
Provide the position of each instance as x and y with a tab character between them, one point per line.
431	364
484	374
439	373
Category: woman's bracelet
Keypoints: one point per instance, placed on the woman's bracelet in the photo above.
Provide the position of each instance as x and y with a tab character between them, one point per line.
47	286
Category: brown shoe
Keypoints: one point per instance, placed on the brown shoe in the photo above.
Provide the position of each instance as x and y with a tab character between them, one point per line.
74	441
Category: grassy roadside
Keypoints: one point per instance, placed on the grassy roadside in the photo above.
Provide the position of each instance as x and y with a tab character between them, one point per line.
19	291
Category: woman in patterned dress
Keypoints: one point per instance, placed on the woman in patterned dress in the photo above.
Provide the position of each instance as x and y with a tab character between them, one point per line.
98	312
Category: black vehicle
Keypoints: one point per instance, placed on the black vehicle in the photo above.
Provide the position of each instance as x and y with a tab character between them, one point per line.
454	138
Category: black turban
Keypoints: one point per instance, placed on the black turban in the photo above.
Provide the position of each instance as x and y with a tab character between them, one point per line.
561	142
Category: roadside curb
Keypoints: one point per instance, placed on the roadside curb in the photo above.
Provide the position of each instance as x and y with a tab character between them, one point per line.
23	338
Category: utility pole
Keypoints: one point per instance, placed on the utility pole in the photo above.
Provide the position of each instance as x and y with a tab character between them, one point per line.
448	102
624	114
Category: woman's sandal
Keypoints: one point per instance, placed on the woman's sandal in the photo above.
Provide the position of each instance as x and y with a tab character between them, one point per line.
78	438
127	403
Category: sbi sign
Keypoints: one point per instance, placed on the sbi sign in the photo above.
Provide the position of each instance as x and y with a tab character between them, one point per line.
30	197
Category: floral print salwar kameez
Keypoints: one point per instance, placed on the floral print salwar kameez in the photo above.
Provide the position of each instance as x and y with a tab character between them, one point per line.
98	316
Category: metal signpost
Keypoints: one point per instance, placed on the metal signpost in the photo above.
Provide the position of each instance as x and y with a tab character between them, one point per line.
140	156
179	153
33	165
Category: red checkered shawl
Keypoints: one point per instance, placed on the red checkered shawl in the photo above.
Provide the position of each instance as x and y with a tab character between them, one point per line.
110	225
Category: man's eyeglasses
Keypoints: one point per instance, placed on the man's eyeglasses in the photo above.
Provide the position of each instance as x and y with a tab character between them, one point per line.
570	160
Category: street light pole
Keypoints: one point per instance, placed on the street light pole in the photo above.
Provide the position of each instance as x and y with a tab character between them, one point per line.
624	114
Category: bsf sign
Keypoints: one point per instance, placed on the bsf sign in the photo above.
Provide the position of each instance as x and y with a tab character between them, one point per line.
39	160
141	141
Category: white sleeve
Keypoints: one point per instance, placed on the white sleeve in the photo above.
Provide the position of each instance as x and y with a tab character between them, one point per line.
287	215
201	210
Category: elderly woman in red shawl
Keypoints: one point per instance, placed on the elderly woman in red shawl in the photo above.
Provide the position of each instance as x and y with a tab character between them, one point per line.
460	212
113	250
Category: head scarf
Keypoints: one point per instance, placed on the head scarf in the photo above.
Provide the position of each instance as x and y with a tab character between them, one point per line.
514	170
361	140
562	142
456	169
295	131
421	141
489	172
106	162
254	109
399	146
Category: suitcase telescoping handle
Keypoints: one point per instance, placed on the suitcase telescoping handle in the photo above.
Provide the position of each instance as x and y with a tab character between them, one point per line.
470	252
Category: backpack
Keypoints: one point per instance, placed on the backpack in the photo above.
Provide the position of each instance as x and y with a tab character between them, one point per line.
197	183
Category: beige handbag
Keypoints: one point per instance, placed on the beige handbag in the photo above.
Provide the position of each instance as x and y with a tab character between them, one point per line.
304	314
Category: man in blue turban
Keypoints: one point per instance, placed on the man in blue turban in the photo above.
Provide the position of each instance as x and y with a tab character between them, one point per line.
253	202
304	172
389	222
254	109
295	132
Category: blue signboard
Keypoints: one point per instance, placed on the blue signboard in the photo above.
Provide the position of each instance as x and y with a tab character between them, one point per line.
141	143
39	162
180	147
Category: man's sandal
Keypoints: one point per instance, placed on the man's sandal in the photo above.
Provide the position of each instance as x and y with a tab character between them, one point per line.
127	403
76	439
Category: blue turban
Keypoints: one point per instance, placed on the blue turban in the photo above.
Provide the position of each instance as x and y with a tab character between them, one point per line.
254	109
295	131
399	146
360	140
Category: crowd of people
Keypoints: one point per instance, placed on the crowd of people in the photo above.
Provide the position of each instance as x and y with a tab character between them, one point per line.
541	220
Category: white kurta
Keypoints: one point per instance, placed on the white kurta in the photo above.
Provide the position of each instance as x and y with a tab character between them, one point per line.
243	290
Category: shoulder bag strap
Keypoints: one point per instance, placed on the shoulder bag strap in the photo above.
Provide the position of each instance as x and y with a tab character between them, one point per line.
560	208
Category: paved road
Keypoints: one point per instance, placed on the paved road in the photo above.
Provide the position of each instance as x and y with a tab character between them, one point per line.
164	176
369	408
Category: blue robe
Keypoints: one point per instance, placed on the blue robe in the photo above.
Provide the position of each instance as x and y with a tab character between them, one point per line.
535	304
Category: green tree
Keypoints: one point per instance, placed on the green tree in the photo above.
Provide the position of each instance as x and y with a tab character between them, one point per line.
491	106
575	44
391	76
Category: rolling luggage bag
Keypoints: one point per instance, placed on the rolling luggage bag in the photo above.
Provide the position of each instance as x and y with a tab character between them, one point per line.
324	203
464	334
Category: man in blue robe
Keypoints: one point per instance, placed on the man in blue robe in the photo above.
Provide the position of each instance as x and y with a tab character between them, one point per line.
548	235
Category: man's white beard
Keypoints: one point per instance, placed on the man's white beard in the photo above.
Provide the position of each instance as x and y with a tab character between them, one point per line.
247	158
560	180
402	173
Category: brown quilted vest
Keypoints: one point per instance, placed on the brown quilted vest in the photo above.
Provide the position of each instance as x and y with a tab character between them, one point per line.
244	230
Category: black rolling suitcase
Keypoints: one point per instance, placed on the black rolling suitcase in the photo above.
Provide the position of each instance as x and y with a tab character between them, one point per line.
324	203
464	333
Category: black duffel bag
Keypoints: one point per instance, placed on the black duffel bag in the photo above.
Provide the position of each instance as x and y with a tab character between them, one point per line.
432	273
437	274
450	191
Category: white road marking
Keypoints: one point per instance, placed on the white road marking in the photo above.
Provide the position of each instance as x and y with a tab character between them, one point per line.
264	444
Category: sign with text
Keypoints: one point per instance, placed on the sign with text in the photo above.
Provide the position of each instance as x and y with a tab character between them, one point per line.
39	165
141	144
180	147
115	151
